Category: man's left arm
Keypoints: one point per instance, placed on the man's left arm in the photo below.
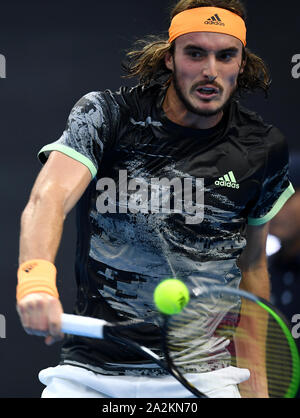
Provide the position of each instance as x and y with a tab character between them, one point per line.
253	262
255	279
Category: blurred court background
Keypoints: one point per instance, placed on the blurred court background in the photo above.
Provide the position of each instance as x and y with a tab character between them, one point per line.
57	51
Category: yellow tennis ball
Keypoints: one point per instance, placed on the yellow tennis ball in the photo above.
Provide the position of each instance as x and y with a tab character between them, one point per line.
171	296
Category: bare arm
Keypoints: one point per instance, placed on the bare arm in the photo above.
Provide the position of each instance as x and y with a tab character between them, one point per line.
253	262
59	186
255	279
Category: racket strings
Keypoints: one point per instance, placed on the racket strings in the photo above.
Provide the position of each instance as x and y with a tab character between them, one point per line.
192	340
265	338
205	337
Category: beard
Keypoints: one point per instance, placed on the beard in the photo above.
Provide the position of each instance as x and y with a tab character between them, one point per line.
193	109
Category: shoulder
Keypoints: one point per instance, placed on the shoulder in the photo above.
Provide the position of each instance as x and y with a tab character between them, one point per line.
139	99
248	120
95	100
250	124
125	99
97	109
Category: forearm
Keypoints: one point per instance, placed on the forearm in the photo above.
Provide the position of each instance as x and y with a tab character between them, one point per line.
41	230
57	189
257	281
251	351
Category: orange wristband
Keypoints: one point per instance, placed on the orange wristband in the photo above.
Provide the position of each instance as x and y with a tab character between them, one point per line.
36	276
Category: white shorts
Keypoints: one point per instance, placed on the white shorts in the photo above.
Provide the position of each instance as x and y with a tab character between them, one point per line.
75	382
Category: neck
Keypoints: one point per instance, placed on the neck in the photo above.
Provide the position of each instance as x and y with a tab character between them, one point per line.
176	111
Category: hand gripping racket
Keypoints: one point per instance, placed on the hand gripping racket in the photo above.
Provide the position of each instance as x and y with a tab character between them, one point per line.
220	327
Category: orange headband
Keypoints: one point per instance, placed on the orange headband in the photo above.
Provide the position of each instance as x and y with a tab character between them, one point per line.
208	19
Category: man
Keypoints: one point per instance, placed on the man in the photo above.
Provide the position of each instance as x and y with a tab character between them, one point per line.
181	122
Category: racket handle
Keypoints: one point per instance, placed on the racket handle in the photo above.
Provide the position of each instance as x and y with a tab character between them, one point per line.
82	326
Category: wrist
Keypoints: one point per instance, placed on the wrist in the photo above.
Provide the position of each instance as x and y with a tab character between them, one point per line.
36	276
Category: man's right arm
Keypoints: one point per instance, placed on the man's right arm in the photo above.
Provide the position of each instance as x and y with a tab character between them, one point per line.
57	189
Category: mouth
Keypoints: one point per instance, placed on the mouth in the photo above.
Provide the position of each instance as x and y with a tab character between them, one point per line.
207	92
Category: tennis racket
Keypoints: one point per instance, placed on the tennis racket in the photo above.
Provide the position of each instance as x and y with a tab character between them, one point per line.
220	327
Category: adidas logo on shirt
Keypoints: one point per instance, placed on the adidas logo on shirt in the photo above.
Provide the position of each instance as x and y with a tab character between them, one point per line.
228	180
214	20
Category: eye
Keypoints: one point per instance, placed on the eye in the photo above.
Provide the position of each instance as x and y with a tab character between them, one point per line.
196	54
226	56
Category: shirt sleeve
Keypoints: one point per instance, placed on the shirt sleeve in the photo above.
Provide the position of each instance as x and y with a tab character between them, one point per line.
86	134
276	188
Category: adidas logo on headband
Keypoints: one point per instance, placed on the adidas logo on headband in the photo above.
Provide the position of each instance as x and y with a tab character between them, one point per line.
214	20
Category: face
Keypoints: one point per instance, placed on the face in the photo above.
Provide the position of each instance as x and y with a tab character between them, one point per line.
205	70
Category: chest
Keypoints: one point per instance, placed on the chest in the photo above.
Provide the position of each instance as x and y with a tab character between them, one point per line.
226	171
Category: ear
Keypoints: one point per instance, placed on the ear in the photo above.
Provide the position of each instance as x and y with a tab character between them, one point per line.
243	66
169	61
244	62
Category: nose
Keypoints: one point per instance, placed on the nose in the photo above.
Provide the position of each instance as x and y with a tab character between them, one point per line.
209	70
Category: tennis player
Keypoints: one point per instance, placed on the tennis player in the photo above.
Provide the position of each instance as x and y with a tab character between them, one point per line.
183	121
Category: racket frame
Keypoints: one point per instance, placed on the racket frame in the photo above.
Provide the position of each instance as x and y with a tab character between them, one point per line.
97	328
